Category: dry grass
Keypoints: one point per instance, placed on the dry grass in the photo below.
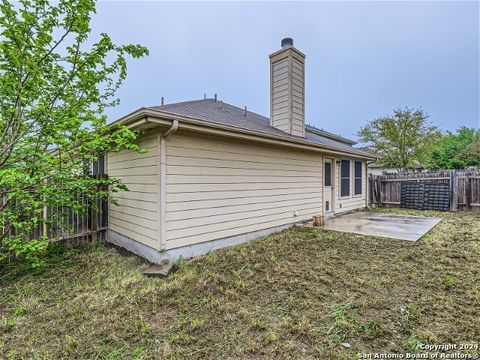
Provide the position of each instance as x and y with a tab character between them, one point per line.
297	294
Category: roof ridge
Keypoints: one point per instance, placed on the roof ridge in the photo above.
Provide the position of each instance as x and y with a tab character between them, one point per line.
329	134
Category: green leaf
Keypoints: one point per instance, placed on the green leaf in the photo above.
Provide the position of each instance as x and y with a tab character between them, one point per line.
55	90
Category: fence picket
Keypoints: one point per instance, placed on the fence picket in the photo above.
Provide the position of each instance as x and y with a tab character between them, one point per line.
467	192
464	187
67	223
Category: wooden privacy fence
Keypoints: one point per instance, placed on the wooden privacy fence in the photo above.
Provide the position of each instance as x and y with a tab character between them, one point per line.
463	185
69	224
74	226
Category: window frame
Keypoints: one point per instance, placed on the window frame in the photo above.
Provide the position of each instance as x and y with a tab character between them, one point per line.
342	178
355	178
325	172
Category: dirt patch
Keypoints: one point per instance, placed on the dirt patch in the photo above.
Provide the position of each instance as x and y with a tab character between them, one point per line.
163	321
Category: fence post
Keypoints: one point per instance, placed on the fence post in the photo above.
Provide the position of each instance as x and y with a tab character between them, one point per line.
370	191
104	210
453	191
44	230
379	191
44	224
468	191
94	218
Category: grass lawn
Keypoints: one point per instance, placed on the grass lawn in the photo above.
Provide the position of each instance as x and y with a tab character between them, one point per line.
296	294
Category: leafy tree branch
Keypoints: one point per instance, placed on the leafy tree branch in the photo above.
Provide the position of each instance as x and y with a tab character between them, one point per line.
402	140
55	84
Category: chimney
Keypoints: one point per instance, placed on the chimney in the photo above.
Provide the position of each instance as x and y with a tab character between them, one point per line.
287	89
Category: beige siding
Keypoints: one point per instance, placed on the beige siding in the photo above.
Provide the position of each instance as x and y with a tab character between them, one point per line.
280	85
137	217
352	202
298	98
218	188
287	94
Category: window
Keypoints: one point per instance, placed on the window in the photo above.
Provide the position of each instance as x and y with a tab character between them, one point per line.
345	178
358	177
328	174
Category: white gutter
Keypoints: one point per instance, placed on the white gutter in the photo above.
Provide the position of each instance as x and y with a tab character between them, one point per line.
171	130
162	173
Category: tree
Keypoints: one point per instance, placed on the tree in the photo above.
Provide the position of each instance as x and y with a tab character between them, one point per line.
456	150
471	154
403	140
54	91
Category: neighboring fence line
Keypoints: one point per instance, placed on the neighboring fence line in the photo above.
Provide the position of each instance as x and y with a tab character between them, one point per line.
75	226
385	190
72	225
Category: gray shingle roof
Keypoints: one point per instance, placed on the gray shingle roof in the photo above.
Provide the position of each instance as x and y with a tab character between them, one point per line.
218	112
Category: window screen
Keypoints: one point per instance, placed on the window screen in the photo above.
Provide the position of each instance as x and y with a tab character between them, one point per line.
358	177
345	178
328	174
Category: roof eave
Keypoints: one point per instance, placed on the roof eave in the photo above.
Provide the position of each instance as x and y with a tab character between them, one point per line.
143	116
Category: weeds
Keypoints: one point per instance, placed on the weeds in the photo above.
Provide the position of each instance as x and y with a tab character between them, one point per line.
296	294
371	330
344	325
448	281
414	344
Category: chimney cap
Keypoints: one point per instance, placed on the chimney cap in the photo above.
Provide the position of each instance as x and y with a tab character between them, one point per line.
287	42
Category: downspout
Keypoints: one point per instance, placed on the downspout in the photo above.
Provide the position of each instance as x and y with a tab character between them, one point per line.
172	129
163	180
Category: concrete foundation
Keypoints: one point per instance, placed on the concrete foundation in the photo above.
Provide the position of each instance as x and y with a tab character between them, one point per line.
159	257
147	252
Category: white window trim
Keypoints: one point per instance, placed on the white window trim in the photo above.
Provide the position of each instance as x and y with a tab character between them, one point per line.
354	178
340	196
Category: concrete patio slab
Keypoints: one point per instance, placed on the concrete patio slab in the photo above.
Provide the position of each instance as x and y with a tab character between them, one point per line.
403	227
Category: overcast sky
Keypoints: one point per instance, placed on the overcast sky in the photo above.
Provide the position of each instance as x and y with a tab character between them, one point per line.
363	59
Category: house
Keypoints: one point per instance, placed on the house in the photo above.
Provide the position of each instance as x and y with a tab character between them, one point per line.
217	175
377	168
